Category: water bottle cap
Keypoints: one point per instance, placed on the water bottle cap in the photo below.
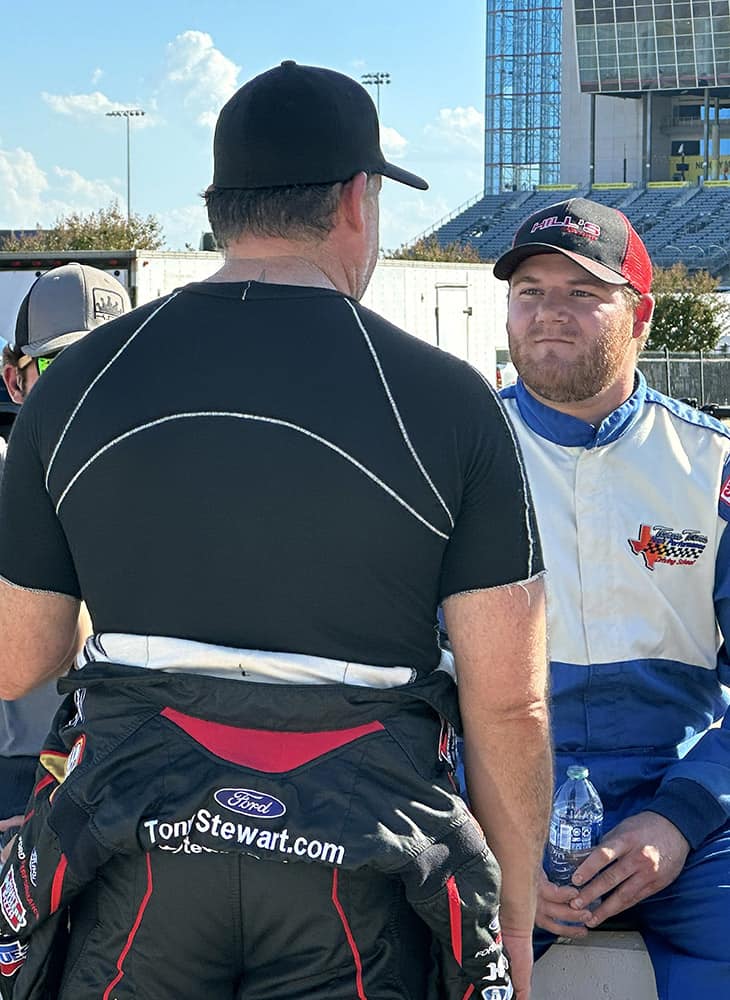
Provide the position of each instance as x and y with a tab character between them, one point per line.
577	772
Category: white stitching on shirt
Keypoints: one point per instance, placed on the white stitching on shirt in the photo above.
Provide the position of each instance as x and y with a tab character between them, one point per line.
91	385
254	417
525	491
396	412
37	590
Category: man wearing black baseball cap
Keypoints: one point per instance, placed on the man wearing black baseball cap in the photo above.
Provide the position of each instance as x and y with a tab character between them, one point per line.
258	758
632	491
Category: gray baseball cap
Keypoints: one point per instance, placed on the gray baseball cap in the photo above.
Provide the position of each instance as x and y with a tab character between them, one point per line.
63	305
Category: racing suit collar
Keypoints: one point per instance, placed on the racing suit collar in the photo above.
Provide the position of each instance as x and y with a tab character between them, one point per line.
560	428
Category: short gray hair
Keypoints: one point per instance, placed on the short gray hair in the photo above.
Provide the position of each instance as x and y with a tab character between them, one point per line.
303	211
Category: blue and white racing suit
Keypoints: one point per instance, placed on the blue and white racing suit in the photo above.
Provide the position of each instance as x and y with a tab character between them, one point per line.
633	518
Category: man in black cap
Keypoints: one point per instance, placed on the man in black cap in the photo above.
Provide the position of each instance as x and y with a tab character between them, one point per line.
254	795
632	491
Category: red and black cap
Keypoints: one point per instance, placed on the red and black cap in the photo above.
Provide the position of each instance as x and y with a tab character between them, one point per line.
598	238
300	125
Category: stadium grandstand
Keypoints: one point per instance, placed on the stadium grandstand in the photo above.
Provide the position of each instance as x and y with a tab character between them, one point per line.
678	223
623	101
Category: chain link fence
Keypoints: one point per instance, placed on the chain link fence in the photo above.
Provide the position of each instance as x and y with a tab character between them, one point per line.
703	378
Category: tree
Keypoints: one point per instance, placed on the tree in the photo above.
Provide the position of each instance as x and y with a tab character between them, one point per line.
689	315
107	229
429	248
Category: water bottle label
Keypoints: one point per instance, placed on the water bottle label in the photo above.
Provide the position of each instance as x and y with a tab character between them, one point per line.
574	836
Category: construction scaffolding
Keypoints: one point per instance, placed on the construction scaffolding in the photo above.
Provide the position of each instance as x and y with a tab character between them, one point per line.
522	94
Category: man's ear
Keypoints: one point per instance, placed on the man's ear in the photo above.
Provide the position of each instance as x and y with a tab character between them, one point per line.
10	378
642	315
352	201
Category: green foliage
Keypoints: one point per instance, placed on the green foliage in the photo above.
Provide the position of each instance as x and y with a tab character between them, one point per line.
689	316
430	249
107	229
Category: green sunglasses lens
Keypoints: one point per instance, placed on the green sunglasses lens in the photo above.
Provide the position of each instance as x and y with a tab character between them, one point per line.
43	363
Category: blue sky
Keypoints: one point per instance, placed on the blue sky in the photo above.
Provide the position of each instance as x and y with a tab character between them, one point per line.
64	65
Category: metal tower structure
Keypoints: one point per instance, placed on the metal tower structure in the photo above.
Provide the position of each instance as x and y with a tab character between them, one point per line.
522	94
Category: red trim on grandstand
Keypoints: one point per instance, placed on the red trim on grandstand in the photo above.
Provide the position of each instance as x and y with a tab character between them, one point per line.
262	749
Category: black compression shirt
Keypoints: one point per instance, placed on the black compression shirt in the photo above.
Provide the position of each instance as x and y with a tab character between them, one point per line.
269	467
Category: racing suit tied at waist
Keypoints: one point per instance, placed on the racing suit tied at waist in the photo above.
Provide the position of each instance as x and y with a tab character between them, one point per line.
346	776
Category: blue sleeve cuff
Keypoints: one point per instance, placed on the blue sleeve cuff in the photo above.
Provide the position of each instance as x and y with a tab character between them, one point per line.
693	810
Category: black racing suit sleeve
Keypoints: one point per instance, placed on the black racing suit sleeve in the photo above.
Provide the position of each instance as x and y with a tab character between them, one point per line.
36	884
461	906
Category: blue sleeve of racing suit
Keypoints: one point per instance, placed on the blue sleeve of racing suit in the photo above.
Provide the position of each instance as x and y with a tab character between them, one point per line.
695	792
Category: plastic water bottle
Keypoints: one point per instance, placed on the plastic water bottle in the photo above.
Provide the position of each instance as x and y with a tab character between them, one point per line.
576	824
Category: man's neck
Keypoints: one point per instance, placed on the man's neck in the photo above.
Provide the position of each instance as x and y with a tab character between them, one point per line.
594	410
283	262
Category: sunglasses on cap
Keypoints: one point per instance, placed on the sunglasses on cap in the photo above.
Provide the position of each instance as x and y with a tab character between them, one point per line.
40	363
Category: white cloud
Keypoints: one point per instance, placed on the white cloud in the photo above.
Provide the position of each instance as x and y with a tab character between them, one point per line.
458	127
90	106
184	226
31	196
392	142
97	75
205	76
404	216
80	105
84	190
22	188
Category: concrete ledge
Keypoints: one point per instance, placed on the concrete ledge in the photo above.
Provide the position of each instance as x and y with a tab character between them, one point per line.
606	965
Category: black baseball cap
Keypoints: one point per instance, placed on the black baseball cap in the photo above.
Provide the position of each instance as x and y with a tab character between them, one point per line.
300	125
598	238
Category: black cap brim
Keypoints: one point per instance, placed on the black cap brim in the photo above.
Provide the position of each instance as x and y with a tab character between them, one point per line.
506	264
404	176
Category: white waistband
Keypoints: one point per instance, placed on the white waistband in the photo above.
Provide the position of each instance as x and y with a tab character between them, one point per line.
159	652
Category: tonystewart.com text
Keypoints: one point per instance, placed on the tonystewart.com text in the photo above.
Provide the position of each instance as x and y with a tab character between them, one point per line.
165	834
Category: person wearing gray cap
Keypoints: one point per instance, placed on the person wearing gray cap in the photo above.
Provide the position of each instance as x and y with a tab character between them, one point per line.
60	308
257	796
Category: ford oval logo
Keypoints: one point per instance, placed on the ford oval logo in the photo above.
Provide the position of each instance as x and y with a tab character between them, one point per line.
250	803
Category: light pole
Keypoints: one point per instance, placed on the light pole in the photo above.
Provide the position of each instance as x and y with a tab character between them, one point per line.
376	80
127	113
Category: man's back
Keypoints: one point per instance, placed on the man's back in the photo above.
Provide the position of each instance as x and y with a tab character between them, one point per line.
288	489
259	470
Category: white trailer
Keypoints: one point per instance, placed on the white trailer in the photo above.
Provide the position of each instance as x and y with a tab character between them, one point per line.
460	308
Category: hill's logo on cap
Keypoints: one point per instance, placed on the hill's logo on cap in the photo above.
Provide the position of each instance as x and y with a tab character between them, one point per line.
598	238
300	125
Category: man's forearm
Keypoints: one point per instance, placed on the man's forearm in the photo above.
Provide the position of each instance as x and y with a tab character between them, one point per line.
30	656
500	649
509	777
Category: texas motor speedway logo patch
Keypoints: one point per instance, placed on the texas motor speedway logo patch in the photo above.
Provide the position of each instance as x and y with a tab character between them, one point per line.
658	544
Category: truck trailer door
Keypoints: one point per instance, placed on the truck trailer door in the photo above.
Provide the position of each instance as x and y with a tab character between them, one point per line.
452	319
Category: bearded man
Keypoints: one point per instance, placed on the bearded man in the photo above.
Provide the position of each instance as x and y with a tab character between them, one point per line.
632	491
